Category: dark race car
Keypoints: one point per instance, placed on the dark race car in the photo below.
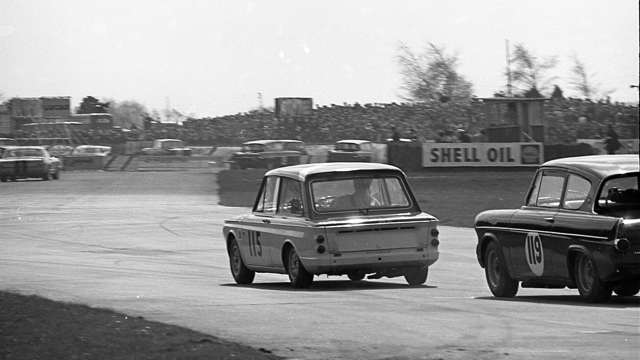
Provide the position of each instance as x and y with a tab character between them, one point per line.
268	154
21	162
579	228
351	150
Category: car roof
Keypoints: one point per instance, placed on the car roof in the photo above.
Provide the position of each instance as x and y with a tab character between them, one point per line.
349	141
263	142
599	165
92	146
301	172
168	140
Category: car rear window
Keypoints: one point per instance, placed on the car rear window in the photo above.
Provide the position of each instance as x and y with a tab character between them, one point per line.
619	193
361	193
24	152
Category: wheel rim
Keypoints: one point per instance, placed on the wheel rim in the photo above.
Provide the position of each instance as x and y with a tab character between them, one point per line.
235	259
293	264
493	267
586	275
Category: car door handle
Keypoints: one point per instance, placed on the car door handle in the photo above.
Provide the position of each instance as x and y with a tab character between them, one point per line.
549	219
266	221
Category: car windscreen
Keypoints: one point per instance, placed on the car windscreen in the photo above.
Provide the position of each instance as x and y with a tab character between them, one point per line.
347	147
359	193
24	153
252	148
619	194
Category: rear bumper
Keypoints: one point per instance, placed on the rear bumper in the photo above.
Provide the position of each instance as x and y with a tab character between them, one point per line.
370	261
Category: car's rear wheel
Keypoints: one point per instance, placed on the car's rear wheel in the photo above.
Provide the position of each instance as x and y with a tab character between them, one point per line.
241	274
416	276
298	275
500	282
628	288
45	175
3	179
588	282
356	275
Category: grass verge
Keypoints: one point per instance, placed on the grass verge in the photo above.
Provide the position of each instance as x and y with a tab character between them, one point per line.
32	327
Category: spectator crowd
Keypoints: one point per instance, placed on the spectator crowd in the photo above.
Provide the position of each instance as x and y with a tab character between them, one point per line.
566	120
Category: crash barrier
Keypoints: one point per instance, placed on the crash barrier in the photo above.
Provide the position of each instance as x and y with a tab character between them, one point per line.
405	155
202	150
558	151
84	162
118	162
134	147
166	163
627	146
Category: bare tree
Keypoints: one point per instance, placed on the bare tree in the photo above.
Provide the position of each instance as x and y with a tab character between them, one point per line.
128	113
530	73
432	75
582	81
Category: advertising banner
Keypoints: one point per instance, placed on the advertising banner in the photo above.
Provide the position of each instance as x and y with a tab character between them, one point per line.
481	154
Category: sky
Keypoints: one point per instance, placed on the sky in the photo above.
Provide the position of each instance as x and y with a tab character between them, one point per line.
211	58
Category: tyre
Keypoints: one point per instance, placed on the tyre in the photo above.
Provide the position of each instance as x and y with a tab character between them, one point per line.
241	274
298	275
500	282
416	276
3	179
588	282
629	288
45	176
56	175
356	275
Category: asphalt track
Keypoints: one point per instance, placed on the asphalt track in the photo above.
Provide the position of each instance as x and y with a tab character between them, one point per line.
149	244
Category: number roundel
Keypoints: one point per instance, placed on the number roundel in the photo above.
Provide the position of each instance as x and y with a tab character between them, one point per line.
534	253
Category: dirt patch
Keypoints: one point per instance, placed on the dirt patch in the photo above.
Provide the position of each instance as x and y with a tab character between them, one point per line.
35	328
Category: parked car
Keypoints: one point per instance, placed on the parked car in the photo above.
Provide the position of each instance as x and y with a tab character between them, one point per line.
8	142
353	219
351	150
91	150
167	147
579	227
21	162
268	154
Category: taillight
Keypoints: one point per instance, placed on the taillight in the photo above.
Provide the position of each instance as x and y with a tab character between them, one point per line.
434	237
621	243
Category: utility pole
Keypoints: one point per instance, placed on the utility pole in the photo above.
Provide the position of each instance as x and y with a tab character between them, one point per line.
260	103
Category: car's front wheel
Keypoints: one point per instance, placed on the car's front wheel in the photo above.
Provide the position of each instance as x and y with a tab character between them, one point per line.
588	282
56	175
629	288
45	175
298	275
416	276
500	282
241	274
3	179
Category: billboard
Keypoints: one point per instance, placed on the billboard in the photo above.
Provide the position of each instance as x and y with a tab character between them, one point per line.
293	107
482	154
56	106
